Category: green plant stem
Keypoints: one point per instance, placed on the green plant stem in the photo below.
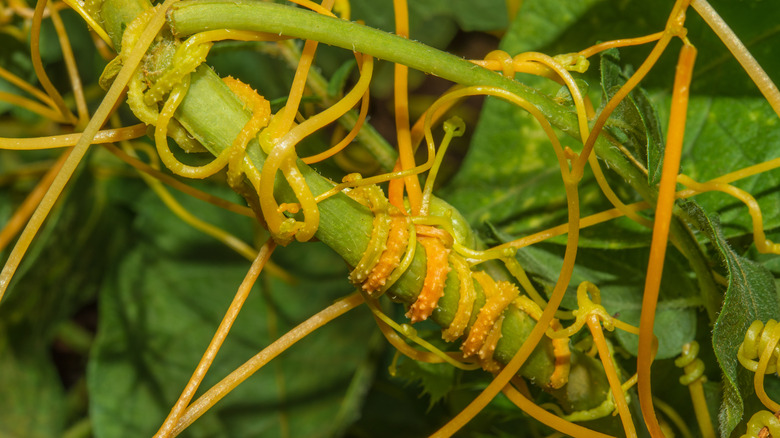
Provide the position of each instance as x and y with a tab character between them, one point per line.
214	115
188	17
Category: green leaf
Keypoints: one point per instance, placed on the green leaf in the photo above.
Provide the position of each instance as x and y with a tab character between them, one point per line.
725	134
162	305
751	296
510	177
33	401
634	122
60	274
64	266
426	18
717	73
436	380
540	22
339	78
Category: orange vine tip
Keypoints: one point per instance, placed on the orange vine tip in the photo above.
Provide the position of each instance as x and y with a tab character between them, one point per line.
289	207
498	295
391	257
562	354
437	268
570	154
485	353
575	62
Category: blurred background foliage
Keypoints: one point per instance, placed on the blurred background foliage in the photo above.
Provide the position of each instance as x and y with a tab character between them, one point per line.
118	298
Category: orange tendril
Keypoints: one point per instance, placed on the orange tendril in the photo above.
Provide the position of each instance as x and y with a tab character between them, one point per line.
261	113
625	42
338	147
282	157
763	245
37	62
663	217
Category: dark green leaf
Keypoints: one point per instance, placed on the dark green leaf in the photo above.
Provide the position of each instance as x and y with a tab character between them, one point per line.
510	177
162	306
426	18
339	78
436	380
750	296
64	266
540	22
33	401
634	122
724	135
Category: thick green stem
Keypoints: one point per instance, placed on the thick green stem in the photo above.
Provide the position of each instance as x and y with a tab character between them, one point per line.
214	115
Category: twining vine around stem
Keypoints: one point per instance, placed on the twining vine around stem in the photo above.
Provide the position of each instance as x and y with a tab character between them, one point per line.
406	244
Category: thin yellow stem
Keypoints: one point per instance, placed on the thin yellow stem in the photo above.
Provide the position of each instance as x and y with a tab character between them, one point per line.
700	409
81	147
598	48
301	73
67	140
390	329
675	418
221	235
216	342
178	185
26	209
548	418
221	389
35	43
93	25
740	52
73	71
347	139
594	324
33	106
24	85
674	26
763	245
